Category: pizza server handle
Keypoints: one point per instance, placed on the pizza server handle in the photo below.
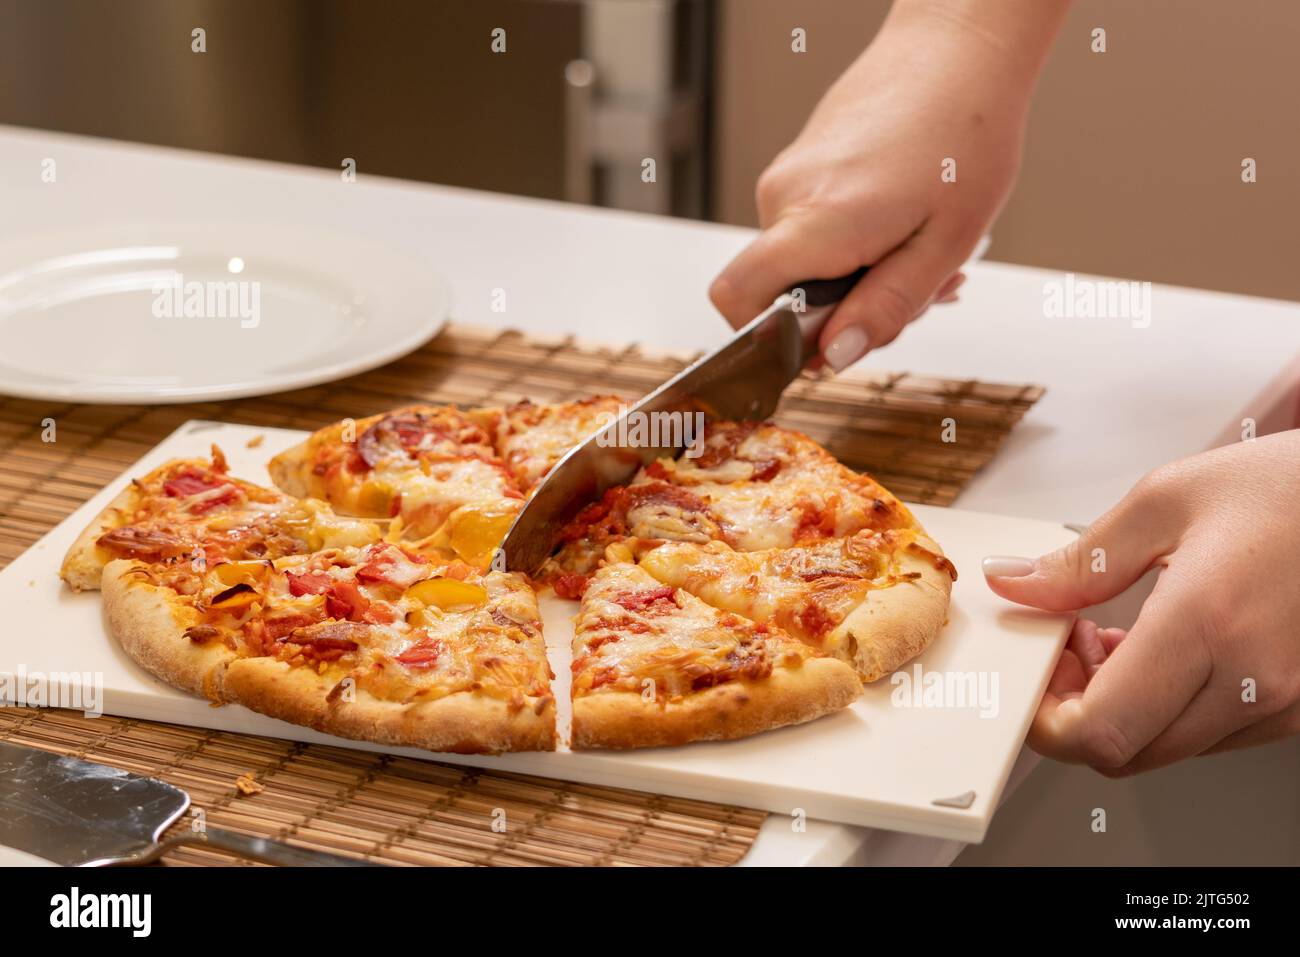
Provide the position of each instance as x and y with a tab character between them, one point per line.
254	848
813	301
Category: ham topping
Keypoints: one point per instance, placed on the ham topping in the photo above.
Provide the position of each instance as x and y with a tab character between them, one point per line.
328	640
571	586
638	600
389	565
144	543
422	654
191	482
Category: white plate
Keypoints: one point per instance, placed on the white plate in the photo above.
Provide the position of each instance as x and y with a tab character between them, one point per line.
176	313
875	764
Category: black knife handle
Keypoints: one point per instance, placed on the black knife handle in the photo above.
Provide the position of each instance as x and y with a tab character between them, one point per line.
827	292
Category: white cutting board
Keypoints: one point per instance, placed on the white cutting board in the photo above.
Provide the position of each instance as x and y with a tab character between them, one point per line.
876	764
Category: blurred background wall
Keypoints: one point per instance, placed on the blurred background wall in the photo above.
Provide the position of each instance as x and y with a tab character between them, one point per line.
1132	165
393	86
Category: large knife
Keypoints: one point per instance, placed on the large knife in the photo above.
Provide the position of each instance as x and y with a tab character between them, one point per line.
744	379
80	813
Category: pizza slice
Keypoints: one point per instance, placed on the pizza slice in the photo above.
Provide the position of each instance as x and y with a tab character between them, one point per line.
874	600
754	486
419	464
193	511
654	665
768	487
531	438
377	643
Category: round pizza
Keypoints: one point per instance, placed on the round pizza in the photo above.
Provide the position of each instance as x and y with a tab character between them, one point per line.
753	582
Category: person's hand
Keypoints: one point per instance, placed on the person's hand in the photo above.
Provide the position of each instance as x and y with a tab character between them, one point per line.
862	183
1213	660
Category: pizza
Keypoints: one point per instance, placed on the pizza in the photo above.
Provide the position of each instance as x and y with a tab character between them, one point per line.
655	665
243	594
193	511
752	583
419	464
754	486
532	438
457	477
873	599
762	529
376	643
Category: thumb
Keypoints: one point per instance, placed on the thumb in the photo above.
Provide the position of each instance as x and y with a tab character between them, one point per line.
1107	558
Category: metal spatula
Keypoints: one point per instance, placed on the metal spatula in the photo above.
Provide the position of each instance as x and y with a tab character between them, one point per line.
85	814
743	379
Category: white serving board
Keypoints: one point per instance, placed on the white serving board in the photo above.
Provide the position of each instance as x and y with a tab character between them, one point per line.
875	764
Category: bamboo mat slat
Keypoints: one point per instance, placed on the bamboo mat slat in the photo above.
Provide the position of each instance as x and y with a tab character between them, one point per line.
402	811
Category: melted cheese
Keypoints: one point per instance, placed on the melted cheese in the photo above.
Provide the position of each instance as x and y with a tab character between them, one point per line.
431	491
494	648
809	496
668	647
535	437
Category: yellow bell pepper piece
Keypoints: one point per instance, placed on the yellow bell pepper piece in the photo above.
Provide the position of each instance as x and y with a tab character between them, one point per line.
375	498
237	573
447	593
475	533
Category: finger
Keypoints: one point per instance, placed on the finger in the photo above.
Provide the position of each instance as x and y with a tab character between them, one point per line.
1084	653
1110	639
1217	711
1282	724
1107	558
1070	677
792	250
1085	642
1068	681
948	291
894	292
1137	693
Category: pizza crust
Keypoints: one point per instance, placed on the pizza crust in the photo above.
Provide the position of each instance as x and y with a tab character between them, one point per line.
893	625
461	723
84	564
735	709
291	472
150	625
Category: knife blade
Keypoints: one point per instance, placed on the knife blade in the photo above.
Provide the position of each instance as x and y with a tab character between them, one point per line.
742	379
80	813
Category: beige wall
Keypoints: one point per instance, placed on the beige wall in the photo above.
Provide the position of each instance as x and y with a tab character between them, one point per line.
1132	166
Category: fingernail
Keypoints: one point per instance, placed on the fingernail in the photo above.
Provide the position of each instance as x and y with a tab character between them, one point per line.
846	348
948	291
1006	566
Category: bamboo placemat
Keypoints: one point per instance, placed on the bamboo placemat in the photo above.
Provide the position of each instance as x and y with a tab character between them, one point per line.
392	810
923	438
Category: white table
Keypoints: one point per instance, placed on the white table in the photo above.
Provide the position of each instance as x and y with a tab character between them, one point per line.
1120	399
